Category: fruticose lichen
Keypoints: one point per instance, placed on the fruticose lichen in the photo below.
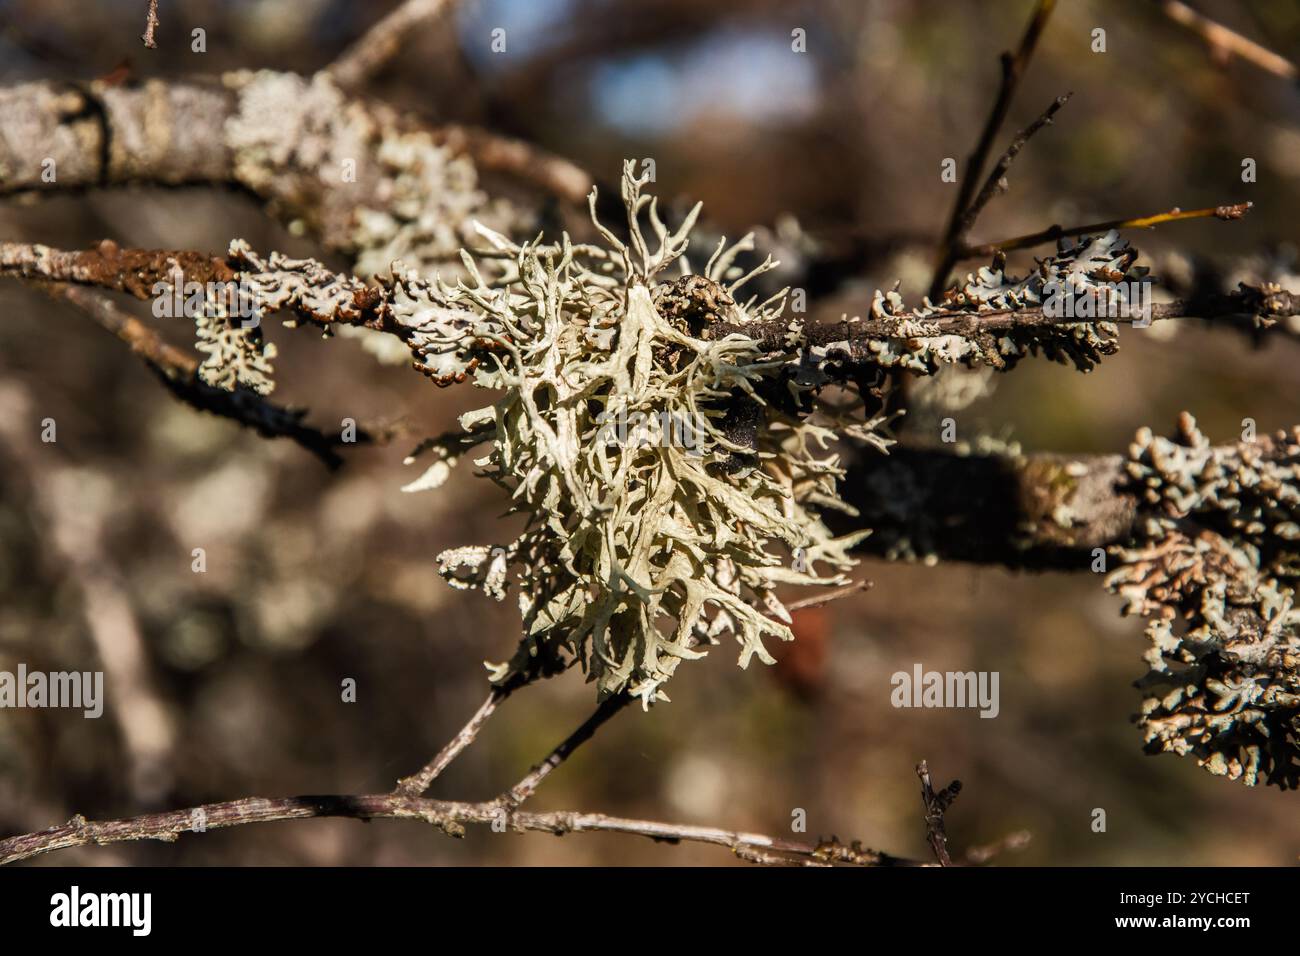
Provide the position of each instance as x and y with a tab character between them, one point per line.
639	547
1216	567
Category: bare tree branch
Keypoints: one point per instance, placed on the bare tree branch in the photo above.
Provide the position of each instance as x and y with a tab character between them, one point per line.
1013	68
1229	42
447	816
418	783
178	370
936	804
996	182
525	788
365	57
832	595
1052	233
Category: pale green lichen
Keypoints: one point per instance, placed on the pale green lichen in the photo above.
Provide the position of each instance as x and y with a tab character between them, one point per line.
635	552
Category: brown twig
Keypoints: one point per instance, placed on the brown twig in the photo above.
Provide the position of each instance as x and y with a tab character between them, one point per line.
378	45
525	788
821	599
936	804
1052	233
178	370
418	783
1013	68
996	182
448	816
519	159
150	25
1221	38
1011	843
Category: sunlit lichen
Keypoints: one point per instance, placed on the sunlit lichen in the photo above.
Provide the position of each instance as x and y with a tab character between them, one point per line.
639	546
1216	567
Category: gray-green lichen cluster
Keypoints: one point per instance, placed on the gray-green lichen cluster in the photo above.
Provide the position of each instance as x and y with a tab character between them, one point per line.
639	547
1216	567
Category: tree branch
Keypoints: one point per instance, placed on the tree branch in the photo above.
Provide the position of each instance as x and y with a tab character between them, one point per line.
447	816
1052	233
178	371
364	58
996	182
1040	511
1013	68
248	131
526	787
936	804
1230	42
416	784
137	272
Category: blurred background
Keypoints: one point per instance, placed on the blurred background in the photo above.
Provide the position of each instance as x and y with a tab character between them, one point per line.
315	577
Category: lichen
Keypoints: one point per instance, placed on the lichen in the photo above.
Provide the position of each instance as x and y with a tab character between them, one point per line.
235	354
393	192
636	552
1215	565
1095	266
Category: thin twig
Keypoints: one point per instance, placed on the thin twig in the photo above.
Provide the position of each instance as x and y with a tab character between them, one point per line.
821	599
1013	68
418	783
448	816
1229	41
150	25
1011	843
936	804
525	788
996	182
1052	233
178	370
378	45
524	161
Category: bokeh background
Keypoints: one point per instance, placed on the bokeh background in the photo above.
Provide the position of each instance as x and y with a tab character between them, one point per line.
314	577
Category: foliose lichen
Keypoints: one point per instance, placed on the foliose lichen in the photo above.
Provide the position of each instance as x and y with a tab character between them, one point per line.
1215	567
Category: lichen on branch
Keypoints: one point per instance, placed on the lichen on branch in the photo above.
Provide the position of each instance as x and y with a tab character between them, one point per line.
1215	566
671	478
